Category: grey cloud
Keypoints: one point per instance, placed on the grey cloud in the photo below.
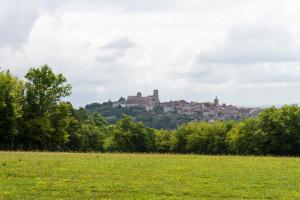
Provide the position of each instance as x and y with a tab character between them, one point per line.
139	5
260	74
110	58
132	5
205	73
123	43
17	19
97	80
114	50
257	74
255	43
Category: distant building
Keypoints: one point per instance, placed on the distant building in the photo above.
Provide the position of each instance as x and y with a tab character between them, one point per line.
216	101
205	111
148	102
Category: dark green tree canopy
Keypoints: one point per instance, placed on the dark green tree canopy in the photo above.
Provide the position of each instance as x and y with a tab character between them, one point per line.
48	117
11	107
45	89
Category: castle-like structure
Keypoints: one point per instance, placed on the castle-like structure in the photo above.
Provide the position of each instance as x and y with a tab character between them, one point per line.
208	111
148	102
216	101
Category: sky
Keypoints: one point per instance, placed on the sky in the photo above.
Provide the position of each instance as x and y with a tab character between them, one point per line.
245	52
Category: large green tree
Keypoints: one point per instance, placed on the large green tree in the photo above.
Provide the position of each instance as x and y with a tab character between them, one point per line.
45	89
11	108
201	137
47	117
247	138
129	136
282	128
163	140
92	133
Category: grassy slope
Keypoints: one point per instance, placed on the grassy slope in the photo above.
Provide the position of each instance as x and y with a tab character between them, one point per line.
150	176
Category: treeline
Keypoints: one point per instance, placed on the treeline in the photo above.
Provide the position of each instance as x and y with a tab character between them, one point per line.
33	116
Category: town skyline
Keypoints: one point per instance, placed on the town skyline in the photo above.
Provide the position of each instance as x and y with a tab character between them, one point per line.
208	99
204	111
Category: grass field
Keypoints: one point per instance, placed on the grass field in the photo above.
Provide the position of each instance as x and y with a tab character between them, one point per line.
149	176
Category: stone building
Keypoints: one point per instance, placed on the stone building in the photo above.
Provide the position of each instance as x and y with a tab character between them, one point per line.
205	111
216	101
149	102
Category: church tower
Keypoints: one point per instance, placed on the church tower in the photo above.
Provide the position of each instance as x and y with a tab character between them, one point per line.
155	95
216	101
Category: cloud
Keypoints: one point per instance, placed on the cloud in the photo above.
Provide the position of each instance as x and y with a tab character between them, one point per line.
268	73
255	43
132	6
255	74
199	73
109	57
123	43
17	19
112	48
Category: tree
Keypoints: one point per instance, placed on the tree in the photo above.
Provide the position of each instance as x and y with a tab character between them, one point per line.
47	117
61	119
38	132
180	138
122	99
163	140
128	136
150	144
80	114
282	127
246	138
45	89
91	137
202	137
11	108
87	133
97	120
207	138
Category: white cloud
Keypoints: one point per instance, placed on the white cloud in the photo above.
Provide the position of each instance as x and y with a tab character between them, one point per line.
245	52
255	43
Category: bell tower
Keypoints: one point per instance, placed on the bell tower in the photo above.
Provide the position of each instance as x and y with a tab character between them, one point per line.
216	101
155	94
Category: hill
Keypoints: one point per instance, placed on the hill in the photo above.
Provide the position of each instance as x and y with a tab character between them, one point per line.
168	115
155	118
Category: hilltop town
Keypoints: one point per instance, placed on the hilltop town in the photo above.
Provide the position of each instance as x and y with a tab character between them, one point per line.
206	111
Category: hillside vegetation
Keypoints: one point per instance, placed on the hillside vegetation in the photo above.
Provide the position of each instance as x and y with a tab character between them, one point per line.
155	118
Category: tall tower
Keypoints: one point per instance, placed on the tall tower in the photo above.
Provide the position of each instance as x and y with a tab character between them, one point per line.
216	101
155	94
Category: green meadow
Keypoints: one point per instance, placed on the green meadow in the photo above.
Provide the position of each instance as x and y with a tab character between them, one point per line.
33	175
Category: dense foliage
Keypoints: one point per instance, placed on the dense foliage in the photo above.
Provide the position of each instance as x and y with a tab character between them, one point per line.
33	116
155	118
11	108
